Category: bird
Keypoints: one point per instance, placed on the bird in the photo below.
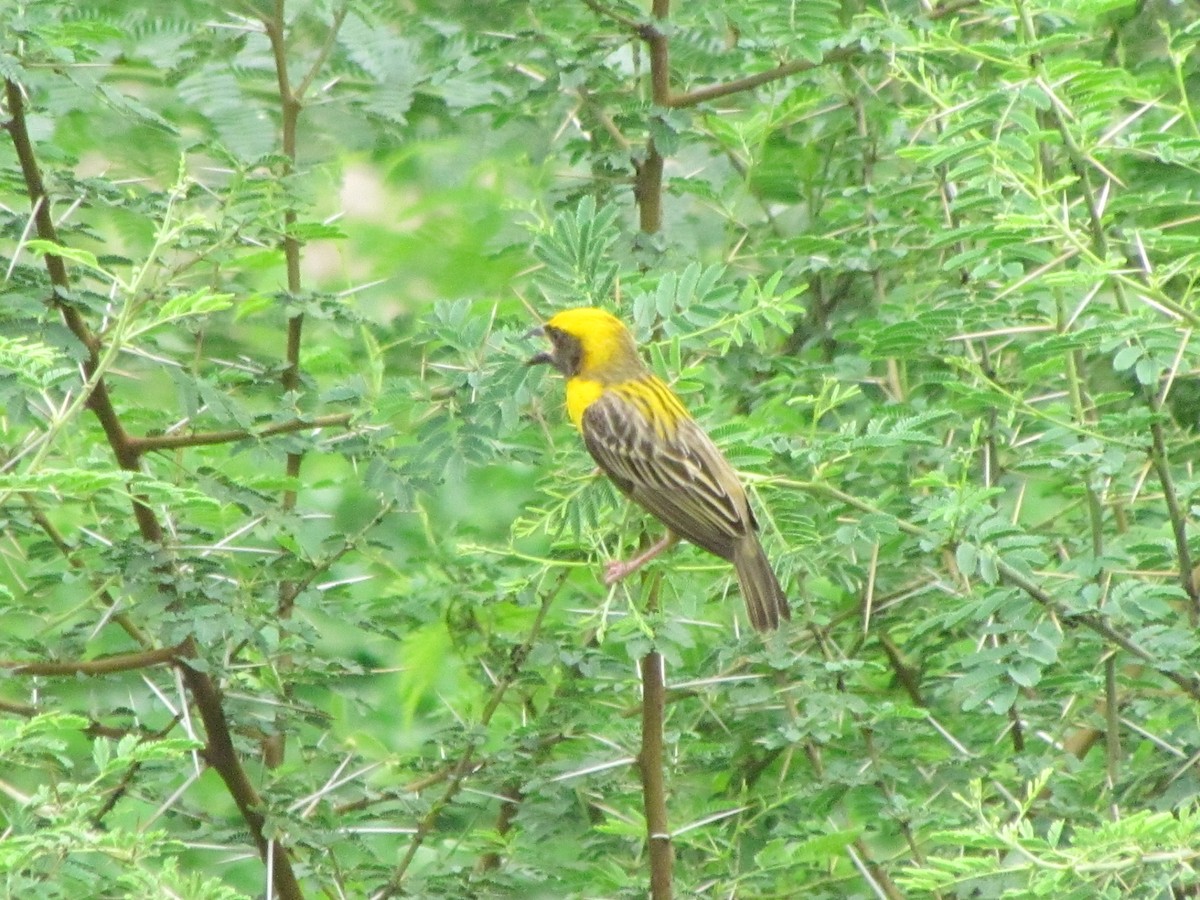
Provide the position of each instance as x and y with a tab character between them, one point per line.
644	439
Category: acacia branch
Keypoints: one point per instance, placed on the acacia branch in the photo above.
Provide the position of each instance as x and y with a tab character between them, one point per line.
606	121
223	757
208	438
655	37
18	709
99	401
1095	622
658	45
119	662
290	103
650	764
423	783
1187	578
322	54
290	108
749	82
219	745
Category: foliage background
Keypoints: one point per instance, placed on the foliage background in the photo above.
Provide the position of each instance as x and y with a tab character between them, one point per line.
927	273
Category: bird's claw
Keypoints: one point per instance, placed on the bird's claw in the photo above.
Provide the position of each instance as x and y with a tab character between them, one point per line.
614	571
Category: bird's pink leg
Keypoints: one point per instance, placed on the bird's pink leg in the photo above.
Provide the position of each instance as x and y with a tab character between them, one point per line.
617	569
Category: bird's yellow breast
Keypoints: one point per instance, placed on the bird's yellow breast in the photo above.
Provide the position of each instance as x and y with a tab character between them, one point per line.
581	393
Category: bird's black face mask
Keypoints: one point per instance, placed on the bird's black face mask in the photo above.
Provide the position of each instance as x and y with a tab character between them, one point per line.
565	353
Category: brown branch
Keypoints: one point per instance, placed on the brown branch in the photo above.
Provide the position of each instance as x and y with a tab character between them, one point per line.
290	108
647	190
18	709
99	401
42	217
658	44
1112	728
208	438
660	53
509	807
650	763
219	749
323	54
417	785
749	82
882	882
222	756
1158	458
297	586
606	121
648	181
908	676
120	789
119	662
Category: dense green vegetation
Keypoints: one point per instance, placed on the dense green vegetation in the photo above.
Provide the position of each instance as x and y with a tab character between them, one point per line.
300	573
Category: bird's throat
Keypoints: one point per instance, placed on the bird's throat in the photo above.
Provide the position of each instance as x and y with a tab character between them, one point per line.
581	393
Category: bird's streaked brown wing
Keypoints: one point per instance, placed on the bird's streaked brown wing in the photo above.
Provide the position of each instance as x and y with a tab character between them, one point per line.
675	471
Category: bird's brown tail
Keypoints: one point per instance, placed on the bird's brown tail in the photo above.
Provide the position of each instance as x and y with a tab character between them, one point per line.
765	600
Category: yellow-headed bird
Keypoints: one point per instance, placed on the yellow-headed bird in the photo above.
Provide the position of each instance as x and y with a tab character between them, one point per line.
645	441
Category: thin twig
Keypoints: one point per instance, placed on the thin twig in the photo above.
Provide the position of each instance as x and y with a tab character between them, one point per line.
749	82
154	442
465	764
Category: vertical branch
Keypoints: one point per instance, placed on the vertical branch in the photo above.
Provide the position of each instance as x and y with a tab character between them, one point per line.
1162	468
1084	413
647	190
650	762
291	104
1112	731
274	745
509	807
660	56
647	187
220	753
290	108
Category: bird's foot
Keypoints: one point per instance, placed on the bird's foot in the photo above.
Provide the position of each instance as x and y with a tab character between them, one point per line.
617	569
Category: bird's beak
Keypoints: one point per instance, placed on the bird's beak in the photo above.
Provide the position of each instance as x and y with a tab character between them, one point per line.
542	358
